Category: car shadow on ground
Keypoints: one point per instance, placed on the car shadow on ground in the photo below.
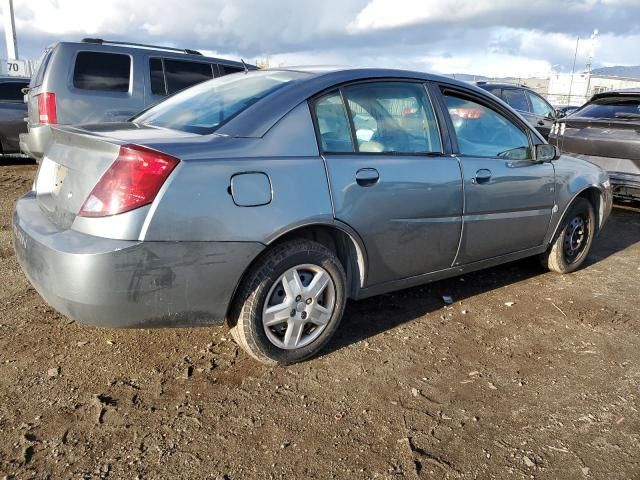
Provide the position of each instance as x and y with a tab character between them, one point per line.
372	316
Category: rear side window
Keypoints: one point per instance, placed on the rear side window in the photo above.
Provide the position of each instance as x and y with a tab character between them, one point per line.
392	117
515	98
181	75
333	124
483	132
612	107
12	91
108	72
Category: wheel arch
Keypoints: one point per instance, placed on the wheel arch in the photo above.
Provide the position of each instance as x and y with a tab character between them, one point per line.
338	237
595	196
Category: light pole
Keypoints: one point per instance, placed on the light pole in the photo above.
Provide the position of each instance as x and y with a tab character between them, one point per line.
573	69
10	31
592	51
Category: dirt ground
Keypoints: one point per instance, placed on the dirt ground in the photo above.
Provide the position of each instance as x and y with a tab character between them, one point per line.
527	375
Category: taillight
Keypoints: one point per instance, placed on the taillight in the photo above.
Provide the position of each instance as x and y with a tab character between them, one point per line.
47	112
132	181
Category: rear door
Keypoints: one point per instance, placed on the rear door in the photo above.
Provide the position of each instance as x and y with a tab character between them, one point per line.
509	197
389	176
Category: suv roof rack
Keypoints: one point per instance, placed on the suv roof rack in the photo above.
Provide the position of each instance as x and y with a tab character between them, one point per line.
100	41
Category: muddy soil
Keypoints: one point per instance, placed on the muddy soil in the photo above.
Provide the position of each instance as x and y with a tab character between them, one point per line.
528	374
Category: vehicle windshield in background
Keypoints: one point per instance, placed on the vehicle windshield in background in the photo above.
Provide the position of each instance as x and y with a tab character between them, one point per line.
204	108
611	107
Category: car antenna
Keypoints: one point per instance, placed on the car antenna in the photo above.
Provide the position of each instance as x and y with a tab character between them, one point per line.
246	70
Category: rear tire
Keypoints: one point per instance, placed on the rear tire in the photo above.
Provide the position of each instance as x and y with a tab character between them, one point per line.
571	246
290	303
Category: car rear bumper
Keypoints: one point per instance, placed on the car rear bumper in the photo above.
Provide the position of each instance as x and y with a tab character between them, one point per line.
623	173
118	283
35	141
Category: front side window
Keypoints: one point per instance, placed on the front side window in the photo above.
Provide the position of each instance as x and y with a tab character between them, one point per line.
181	75
540	107
226	69
483	132
515	98
333	125
108	72
392	117
12	91
203	108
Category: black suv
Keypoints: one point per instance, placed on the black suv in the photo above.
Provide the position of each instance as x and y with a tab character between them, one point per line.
535	109
12	113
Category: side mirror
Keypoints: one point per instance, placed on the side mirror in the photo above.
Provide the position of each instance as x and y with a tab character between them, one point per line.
547	153
560	114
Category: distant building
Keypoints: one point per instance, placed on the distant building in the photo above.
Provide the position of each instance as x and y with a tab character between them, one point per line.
576	89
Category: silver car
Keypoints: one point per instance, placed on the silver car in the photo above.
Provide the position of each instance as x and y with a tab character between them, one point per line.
98	80
267	199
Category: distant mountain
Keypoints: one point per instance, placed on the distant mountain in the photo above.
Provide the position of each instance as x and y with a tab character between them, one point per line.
618	71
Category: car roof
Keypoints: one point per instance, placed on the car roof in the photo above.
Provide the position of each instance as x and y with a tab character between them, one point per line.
501	85
616	93
165	51
256	120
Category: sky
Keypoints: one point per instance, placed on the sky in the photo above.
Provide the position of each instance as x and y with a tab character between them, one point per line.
485	37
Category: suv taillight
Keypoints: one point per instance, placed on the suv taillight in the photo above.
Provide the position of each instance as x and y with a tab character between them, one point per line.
132	181
47	112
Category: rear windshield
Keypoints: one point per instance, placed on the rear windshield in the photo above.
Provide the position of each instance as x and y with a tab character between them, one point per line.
611	107
43	63
206	107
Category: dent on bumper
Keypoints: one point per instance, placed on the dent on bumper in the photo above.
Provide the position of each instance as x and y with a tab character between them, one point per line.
119	283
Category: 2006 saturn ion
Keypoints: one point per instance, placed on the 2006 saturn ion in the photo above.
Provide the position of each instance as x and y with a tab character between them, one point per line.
267	199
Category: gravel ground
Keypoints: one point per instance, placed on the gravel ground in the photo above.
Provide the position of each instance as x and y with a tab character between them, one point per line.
527	374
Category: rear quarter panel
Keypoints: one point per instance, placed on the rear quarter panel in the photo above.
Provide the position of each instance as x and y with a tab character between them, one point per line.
197	204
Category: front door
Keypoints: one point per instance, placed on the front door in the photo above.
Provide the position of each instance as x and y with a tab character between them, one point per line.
389	179
509	197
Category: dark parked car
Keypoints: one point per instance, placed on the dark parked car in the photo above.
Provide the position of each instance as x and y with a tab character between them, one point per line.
13	111
606	131
535	109
269	198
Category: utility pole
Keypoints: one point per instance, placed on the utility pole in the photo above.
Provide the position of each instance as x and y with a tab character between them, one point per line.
10	30
592	50
573	69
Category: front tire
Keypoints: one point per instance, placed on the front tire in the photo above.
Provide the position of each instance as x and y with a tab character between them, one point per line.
572	244
290	303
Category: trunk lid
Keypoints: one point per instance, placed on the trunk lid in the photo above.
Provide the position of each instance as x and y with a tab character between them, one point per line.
68	172
613	138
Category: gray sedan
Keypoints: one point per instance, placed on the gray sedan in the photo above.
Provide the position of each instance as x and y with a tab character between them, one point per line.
267	199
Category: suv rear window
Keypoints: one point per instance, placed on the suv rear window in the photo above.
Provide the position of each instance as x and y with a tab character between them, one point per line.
102	71
226	69
36	81
611	107
12	91
206	107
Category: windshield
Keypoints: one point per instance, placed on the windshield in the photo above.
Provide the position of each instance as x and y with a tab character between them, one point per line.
611	107
204	108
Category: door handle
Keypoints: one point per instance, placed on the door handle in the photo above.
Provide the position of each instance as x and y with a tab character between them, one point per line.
365	177
482	176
